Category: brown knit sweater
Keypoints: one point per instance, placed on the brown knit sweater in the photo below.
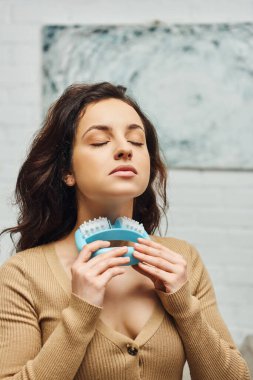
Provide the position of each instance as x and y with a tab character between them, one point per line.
49	333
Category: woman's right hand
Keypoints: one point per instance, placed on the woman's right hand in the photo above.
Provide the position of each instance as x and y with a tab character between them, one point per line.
90	277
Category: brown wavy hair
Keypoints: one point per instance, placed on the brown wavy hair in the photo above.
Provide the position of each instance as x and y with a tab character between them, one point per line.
47	206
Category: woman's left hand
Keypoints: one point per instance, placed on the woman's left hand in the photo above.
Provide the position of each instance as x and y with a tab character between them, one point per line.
166	268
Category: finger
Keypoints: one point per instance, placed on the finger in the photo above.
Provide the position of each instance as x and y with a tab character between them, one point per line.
155	272
156	261
157	250
168	279
148	250
109	274
88	249
141	271
104	265
115	252
152	243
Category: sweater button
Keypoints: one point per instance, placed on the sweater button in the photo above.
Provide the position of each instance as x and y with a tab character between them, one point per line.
132	350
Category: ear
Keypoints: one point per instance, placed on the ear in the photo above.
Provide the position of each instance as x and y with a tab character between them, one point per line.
69	180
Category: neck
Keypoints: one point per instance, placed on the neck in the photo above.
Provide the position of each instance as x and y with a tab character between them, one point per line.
90	211
112	211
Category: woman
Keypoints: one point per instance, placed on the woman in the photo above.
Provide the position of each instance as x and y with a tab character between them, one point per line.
67	315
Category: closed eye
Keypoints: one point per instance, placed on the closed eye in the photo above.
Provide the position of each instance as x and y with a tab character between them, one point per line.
132	142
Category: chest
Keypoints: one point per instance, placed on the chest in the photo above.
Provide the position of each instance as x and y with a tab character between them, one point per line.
129	302
128	309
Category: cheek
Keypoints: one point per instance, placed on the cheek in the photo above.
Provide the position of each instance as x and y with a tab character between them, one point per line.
84	163
145	169
88	183
147	162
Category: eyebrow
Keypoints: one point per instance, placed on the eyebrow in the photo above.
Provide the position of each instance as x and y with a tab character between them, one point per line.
106	128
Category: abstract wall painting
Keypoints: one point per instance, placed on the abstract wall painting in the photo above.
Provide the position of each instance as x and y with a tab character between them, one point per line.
195	82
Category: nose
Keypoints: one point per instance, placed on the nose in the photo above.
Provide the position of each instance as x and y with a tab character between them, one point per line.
123	153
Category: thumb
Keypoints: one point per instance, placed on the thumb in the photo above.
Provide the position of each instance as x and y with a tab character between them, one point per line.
141	271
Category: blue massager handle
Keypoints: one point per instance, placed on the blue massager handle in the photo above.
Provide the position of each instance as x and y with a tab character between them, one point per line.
114	233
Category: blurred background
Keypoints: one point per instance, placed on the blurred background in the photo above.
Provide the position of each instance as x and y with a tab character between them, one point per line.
189	64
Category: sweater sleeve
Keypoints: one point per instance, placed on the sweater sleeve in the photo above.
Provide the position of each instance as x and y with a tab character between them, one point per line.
210	350
22	356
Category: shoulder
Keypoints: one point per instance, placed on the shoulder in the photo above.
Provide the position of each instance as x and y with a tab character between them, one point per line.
23	262
19	279
25	275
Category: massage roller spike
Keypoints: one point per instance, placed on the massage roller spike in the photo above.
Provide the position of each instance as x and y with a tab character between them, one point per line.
124	228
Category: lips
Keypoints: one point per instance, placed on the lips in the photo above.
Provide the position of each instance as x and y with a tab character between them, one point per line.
127	168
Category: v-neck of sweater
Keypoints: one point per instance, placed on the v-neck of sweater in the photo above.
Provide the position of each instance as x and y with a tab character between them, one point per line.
116	337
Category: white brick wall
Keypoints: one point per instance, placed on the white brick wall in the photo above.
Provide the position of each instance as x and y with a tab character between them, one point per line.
212	210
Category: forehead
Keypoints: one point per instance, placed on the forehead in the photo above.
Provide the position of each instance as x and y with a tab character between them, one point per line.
109	112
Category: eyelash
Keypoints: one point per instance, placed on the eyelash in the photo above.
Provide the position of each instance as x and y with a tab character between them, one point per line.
98	145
